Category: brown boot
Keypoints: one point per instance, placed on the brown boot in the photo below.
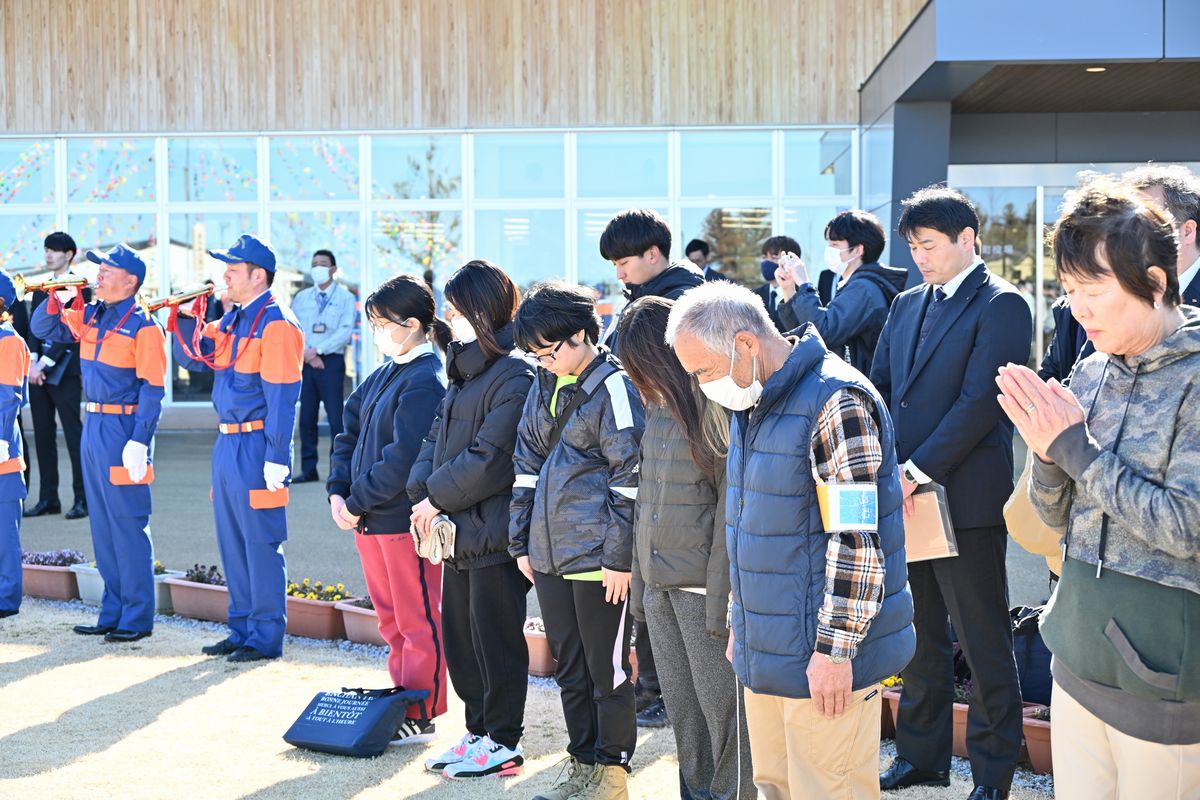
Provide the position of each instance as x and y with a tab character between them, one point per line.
571	780
609	782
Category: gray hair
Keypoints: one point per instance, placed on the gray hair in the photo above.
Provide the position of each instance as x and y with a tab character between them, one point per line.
1180	188
715	312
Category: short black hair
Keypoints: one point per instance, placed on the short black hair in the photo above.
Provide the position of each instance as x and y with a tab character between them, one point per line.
62	243
781	244
328	254
1105	230
634	231
938	208
552	312
697	244
1179	185
855	227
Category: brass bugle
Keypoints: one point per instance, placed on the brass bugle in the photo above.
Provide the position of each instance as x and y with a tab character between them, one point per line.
23	286
179	298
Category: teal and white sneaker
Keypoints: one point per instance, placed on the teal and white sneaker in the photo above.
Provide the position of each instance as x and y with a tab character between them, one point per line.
487	758
454	754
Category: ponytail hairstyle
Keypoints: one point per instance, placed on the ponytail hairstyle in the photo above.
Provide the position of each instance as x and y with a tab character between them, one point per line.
488	298
404	297
656	372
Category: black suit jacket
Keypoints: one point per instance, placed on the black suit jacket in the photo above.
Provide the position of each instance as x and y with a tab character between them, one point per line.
781	314
943	395
1191	295
825	282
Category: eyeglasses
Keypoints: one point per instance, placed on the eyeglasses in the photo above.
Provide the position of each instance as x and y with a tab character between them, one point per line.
546	358
379	328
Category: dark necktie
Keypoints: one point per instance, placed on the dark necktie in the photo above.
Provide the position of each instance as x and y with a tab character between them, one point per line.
932	312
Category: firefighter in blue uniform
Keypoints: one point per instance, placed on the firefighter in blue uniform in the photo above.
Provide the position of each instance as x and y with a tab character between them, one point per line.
14	391
123	356
256	352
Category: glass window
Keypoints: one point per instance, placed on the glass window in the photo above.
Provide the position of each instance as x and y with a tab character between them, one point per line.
416	167
26	171
876	147
594	271
21	238
519	165
102	231
314	168
725	164
296	235
622	164
817	162
114	170
529	245
806	224
735	236
416	241
220	169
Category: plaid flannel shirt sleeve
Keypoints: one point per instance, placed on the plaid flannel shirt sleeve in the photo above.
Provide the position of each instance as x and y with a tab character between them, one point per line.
846	449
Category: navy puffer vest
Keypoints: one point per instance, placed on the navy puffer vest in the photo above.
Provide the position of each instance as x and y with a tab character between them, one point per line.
776	540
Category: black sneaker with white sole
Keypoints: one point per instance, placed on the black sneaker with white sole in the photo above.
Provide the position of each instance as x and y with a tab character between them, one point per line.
414	731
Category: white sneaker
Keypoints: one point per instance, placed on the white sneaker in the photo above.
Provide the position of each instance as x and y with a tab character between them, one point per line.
414	731
487	758
454	754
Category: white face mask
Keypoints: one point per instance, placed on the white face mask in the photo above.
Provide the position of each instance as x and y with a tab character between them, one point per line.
320	275
726	392
833	259
463	330
389	346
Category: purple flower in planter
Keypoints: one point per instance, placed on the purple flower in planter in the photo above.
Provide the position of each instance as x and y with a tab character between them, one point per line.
53	558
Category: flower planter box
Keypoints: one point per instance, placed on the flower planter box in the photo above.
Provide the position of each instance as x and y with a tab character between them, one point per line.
316	619
91	587
889	714
362	624
1037	742
198	600
541	662
960	730
54	583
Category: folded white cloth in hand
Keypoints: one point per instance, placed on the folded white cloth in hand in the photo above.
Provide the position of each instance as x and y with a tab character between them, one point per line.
135	458
275	475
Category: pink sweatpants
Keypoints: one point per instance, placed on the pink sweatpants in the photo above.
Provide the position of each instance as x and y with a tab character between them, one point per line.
407	593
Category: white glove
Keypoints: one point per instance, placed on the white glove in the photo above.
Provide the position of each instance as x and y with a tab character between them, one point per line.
275	475
6	450
135	458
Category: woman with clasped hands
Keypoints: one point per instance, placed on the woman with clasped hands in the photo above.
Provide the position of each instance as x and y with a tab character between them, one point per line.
1118	469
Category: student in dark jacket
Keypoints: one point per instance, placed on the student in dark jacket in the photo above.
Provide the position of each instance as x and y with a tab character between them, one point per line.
680	585
851	322
572	527
638	243
385	420
465	471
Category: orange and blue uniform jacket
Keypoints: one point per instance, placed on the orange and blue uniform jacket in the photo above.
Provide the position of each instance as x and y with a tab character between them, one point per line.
14	389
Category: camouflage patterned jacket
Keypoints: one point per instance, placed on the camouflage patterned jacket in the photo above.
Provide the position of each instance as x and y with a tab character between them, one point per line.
1149	483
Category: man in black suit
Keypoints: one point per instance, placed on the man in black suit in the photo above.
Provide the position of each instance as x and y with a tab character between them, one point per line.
781	315
697	252
56	385
1176	188
827	283
936	365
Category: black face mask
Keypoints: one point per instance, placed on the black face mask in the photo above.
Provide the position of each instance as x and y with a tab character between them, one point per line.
768	269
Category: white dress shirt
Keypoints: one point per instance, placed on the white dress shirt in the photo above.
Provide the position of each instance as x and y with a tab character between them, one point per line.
326	317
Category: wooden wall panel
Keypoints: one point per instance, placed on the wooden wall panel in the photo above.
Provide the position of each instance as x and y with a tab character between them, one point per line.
196	65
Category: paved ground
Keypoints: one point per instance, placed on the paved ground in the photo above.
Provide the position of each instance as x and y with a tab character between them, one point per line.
183	527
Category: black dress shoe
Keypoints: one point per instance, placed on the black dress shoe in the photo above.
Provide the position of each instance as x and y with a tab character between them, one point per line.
902	774
653	715
987	793
221	648
307	477
93	630
78	511
245	653
125	636
8	612
44	507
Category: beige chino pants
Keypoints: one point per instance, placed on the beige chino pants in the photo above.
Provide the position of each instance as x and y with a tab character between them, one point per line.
798	753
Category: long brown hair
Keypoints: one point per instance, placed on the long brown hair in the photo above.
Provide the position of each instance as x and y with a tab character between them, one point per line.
487	297
656	372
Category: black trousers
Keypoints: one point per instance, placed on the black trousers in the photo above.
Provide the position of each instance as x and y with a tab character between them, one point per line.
44	402
970	590
647	672
320	387
590	639
483	615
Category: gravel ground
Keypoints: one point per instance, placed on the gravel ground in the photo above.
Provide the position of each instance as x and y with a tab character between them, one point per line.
83	719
